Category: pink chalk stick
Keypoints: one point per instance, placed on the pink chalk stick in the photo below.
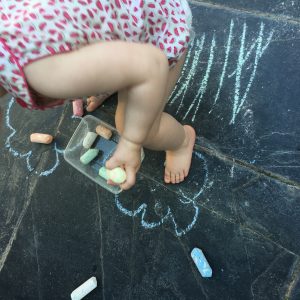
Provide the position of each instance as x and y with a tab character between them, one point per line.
78	107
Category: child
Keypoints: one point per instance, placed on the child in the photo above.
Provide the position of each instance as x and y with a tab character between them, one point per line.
55	50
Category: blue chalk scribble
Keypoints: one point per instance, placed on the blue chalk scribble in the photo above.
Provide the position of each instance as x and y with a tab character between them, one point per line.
169	215
28	155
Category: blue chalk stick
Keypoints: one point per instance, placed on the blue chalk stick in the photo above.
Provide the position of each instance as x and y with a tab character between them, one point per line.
201	263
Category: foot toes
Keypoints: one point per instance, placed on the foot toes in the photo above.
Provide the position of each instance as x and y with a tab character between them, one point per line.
167	177
185	173
181	176
177	177
173	178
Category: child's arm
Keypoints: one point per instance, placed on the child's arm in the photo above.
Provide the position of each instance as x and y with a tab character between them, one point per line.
140	68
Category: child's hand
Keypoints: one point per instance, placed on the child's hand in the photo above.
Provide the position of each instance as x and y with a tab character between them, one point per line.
127	156
95	101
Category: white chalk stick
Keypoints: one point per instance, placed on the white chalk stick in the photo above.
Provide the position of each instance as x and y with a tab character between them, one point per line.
84	289
89	139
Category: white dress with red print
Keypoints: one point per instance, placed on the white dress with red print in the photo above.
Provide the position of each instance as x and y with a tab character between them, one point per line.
33	29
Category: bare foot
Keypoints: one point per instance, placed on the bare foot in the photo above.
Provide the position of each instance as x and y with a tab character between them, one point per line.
178	162
95	101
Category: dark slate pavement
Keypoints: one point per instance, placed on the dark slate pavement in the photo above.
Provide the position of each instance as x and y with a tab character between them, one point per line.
278	8
240	204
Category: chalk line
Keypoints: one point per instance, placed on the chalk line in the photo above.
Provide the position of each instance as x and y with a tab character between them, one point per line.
238	103
177	93
240	63
203	85
228	46
142	209
252	47
13	235
190	77
28	154
205	182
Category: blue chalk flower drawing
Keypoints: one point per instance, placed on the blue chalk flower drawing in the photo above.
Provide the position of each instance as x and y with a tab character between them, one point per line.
155	213
28	155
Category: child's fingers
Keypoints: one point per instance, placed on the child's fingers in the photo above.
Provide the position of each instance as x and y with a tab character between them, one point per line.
112	163
130	178
110	182
92	104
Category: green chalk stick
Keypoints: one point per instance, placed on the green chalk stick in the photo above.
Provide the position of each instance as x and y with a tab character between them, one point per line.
103	173
88	156
117	175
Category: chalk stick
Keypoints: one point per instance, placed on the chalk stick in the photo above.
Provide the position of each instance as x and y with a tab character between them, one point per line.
41	138
201	262
104	132
89	139
77	107
84	289
88	156
117	175
103	173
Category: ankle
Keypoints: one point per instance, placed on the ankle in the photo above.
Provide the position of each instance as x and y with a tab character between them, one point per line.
186	139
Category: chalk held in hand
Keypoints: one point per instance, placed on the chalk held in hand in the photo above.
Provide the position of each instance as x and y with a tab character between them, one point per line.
77	107
104	132
117	175
88	156
41	138
84	289
201	263
89	139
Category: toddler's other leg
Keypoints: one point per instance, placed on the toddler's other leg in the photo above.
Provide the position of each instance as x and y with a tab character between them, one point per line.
178	142
120	111
166	133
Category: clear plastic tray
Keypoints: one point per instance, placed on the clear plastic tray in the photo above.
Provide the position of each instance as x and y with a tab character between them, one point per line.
75	149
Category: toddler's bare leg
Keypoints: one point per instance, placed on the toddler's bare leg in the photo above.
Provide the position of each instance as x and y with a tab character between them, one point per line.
179	141
166	133
120	112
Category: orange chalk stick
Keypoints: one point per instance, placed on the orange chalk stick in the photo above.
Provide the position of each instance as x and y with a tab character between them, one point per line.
41	138
104	132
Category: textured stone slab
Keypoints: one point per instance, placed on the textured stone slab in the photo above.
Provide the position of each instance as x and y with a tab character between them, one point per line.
239	88
288	8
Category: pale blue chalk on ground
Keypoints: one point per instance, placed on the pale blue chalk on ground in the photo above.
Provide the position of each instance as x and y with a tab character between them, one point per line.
201	263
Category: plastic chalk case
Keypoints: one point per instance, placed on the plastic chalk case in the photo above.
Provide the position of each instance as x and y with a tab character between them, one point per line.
75	150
